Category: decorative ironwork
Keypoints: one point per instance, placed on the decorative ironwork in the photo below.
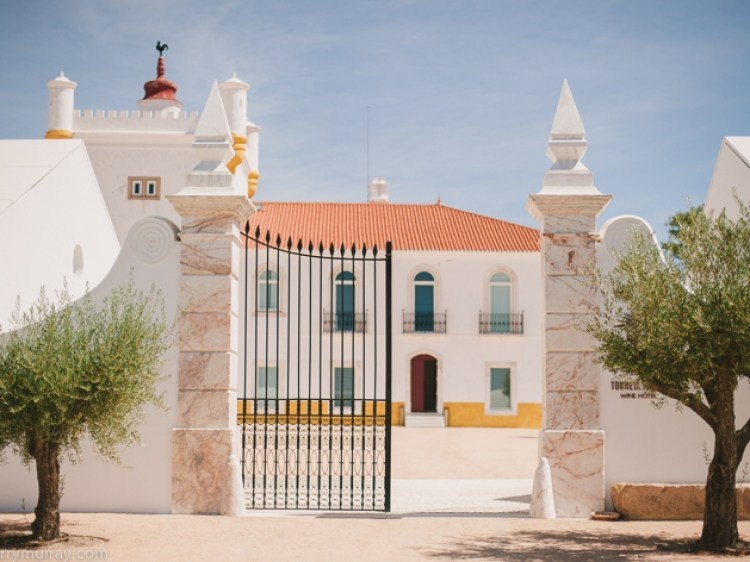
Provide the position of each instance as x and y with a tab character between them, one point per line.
345	322
425	322
492	323
315	399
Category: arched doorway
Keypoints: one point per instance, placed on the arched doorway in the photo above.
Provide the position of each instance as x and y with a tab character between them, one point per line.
423	384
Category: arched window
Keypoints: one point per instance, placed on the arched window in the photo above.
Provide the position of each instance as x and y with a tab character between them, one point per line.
424	302
268	290
500	291
345	301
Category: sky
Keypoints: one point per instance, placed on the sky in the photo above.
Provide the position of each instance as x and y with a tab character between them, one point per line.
449	99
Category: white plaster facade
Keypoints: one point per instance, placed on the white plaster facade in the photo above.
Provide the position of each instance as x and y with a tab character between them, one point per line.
53	222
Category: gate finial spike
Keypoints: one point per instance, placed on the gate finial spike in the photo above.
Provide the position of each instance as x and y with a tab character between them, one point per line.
375	250
278	239
320	247
257	231
354	249
342	249
310	246
268	236
331	249
364	250
247	227
289	243
299	245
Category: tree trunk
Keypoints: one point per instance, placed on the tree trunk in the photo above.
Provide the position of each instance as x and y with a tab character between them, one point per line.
720	515
46	525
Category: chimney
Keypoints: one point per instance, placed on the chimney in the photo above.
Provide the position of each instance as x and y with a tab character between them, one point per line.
377	191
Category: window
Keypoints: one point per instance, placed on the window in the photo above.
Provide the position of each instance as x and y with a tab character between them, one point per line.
268	290
345	318
267	389
144	188
500	320
424	302
500	388
343	387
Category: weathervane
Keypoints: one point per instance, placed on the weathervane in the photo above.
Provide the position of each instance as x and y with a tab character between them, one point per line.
161	48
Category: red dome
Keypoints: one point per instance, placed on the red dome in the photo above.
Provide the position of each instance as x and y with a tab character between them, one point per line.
161	88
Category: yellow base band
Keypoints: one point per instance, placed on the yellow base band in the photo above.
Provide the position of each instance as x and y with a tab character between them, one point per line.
474	414
58	134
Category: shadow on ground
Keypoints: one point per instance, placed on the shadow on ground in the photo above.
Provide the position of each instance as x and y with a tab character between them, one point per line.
560	546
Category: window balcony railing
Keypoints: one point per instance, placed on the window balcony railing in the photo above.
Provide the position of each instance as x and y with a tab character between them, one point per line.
492	323
420	322
345	322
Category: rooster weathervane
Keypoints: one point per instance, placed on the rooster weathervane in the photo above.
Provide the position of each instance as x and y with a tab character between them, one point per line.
161	48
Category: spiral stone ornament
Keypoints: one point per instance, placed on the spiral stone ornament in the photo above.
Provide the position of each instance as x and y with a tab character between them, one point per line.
152	240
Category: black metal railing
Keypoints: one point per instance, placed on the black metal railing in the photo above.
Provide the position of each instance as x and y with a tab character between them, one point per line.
314	410
416	322
505	323
345	322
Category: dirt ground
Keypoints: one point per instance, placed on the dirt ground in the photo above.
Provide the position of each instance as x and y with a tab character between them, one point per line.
418	454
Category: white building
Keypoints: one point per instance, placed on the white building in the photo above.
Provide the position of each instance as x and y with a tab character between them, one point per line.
474	362
142	156
466	305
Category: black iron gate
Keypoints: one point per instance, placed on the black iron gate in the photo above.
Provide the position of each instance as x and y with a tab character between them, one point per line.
315	396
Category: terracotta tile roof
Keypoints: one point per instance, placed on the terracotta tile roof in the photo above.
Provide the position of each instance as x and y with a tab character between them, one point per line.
408	227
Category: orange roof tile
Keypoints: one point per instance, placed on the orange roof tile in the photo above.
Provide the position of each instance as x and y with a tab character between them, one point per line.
408	227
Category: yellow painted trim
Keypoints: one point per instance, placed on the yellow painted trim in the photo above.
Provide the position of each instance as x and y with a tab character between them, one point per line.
474	414
316	413
252	182
240	145
58	134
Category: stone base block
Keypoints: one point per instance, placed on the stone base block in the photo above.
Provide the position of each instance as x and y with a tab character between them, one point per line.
206	473
664	502
576	459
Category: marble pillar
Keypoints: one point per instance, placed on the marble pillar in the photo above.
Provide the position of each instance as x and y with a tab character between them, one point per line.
567	206
206	475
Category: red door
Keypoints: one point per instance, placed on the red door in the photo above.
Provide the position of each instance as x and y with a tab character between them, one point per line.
424	384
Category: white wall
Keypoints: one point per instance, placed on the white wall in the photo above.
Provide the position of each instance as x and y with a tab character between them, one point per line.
143	482
53	206
169	159
731	173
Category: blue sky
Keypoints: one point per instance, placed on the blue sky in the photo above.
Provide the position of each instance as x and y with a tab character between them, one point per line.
462	93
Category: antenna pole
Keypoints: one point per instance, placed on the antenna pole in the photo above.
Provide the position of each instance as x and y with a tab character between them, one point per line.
367	182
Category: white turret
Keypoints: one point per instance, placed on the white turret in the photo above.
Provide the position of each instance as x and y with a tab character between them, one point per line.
234	96
60	111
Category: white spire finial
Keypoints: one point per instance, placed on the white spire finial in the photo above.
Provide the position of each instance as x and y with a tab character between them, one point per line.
567	139
567	123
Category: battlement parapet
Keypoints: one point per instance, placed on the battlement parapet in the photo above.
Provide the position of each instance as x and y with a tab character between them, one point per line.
134	121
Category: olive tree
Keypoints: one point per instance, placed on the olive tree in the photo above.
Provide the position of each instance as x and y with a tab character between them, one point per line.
75	370
679	322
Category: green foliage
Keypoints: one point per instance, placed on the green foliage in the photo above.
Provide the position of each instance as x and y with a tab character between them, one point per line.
680	324
676	322
674	225
75	369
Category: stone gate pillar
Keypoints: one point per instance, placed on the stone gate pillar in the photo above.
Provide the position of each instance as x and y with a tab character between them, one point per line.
567	207
206	475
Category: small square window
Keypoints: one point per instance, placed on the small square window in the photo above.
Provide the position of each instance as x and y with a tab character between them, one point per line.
144	188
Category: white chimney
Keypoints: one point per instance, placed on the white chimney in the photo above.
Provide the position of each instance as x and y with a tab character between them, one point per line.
377	191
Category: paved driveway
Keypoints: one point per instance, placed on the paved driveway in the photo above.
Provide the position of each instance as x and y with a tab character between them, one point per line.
462	470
